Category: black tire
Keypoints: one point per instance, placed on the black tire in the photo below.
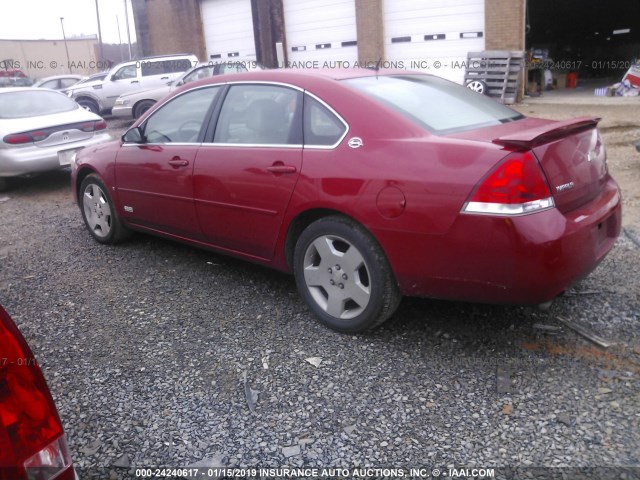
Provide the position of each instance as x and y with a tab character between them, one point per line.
478	86
349	285
98	212
4	184
88	104
142	107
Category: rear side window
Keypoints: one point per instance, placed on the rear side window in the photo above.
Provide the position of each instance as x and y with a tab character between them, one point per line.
34	103
438	105
260	115
321	126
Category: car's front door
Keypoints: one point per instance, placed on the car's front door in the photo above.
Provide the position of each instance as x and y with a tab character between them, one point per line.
123	80
245	174
154	178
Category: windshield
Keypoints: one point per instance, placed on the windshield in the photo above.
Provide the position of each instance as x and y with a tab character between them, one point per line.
437	104
30	103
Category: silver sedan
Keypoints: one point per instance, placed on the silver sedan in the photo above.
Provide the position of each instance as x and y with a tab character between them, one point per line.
41	130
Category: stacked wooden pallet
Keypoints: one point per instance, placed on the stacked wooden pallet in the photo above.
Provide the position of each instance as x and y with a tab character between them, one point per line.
499	70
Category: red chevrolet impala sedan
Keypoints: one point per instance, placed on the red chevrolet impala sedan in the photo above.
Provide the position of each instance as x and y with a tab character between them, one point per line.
366	185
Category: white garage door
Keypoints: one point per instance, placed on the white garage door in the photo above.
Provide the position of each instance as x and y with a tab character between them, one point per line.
321	30
421	33
228	30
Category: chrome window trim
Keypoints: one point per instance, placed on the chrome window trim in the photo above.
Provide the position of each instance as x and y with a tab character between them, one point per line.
259	145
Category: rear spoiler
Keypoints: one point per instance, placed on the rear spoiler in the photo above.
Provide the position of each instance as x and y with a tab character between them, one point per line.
533	137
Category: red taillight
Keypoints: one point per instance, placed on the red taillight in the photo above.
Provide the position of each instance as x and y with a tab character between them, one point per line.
101	125
17	139
32	443
514	187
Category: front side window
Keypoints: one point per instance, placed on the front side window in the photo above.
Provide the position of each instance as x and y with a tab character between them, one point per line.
436	104
198	74
182	119
260	115
321	126
130	71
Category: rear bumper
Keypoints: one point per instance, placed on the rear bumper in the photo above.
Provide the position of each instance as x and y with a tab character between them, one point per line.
121	111
526	259
31	159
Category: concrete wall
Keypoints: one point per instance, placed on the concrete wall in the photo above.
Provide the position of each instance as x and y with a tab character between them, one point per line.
42	58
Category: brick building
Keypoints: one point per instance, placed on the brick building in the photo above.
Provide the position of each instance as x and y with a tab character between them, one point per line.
407	33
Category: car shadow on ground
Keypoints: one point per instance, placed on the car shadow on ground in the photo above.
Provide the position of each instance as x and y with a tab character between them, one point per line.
48	182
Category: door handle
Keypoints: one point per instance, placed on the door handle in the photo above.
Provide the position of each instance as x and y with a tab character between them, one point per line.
279	167
164	78
178	162
135	81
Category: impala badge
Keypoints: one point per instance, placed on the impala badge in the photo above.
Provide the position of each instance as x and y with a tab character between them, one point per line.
566	186
592	155
355	142
128	209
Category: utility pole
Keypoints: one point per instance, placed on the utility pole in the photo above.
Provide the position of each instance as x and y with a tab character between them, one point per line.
99	33
66	47
126	17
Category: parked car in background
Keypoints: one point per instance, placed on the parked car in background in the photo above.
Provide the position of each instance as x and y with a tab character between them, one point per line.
366	185
41	129
145	73
31	434
134	104
14	78
94	77
58	82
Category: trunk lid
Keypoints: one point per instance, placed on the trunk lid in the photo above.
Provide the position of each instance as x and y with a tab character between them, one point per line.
570	152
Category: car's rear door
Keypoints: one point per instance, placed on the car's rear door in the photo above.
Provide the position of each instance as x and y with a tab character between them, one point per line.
154	178
245	174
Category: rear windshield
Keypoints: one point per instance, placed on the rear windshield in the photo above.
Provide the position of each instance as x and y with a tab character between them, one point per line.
34	103
438	105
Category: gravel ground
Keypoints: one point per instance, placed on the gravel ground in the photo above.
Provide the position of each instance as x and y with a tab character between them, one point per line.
146	347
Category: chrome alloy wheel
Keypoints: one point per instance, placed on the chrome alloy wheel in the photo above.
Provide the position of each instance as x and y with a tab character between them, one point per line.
337	276
96	210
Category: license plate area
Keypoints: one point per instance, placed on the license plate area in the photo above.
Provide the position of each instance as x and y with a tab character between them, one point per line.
65	156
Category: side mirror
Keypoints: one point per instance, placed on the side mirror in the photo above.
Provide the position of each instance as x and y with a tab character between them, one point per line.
133	135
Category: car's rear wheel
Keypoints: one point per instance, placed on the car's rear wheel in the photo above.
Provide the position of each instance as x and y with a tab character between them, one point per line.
344	276
98	212
142	107
89	105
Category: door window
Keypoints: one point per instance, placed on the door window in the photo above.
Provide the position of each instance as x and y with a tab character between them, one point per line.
260	115
182	119
130	71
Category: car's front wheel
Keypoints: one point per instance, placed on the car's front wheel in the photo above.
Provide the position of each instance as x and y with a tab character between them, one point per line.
344	276
99	213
